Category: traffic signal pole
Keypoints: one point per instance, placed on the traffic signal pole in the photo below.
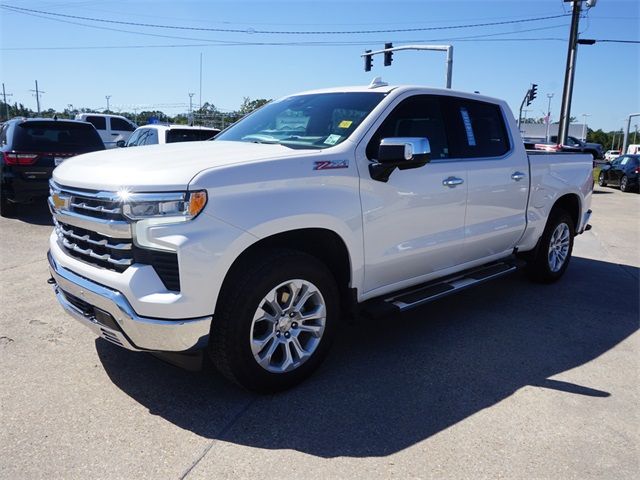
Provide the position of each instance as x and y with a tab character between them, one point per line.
368	55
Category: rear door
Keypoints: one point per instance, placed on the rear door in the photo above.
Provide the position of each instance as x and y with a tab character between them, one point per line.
100	123
497	177
120	129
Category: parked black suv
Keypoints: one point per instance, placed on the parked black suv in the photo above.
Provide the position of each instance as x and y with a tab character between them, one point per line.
31	149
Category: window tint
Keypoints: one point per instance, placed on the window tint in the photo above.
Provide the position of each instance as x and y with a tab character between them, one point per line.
152	137
188	135
418	116
56	136
625	160
99	122
3	133
120	124
476	129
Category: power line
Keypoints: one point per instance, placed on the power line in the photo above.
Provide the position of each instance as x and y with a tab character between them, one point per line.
280	32
481	37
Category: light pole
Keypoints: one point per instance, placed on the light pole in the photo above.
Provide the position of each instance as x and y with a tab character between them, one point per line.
107	97
549	96
584	126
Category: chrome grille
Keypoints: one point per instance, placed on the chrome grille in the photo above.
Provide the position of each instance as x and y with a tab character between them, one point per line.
103	205
92	247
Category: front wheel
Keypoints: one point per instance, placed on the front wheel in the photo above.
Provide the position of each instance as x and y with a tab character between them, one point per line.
553	254
275	320
624	184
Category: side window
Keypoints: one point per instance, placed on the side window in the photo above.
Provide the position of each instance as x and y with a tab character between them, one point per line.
3	134
99	122
625	160
152	137
121	125
477	129
417	116
142	138
133	139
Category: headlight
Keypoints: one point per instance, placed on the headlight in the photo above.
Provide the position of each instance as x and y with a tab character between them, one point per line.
170	207
151	210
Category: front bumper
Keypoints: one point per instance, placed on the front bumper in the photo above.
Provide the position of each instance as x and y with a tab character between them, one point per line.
109	315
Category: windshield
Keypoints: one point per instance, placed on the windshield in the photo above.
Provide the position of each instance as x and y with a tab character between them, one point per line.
306	121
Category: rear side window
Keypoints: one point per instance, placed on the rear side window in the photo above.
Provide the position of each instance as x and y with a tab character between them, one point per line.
476	129
188	135
55	136
122	125
99	122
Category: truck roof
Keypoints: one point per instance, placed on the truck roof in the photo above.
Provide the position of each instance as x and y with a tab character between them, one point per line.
384	88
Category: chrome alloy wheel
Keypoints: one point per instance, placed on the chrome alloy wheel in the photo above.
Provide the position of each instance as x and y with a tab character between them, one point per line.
559	247
288	326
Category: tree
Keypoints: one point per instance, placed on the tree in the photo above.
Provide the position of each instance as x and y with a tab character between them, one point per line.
249	105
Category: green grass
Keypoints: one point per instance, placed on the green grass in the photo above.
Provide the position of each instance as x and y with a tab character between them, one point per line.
596	172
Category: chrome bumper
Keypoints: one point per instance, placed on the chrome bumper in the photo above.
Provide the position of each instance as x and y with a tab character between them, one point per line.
111	317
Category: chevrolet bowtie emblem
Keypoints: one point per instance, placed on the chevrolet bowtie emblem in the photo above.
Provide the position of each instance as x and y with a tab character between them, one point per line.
60	202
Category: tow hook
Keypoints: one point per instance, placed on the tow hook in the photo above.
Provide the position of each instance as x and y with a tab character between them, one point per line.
51	281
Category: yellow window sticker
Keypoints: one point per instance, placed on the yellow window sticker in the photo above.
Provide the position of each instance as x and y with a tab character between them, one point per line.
345	123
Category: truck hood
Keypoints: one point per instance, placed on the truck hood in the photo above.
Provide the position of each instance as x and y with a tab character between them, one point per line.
162	167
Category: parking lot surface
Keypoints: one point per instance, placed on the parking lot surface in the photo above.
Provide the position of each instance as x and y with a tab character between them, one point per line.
507	380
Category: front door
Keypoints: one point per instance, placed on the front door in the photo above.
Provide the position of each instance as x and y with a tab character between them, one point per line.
413	223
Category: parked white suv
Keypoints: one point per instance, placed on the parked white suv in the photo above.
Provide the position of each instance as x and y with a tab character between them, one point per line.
611	155
253	246
112	128
161	134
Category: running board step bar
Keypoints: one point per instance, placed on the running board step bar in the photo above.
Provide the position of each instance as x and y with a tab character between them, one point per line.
421	294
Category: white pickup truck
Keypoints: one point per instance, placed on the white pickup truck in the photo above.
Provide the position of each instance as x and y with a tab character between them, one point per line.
253	246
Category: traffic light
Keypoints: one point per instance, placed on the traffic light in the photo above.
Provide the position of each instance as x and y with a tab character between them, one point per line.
388	56
368	60
533	93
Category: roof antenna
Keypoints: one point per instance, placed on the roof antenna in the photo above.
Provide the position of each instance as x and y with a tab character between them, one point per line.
377	82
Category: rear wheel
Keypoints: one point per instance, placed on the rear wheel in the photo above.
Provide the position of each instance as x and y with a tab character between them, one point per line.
553	254
275	320
624	184
7	208
601	180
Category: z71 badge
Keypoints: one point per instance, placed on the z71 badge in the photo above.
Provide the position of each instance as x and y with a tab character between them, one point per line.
330	164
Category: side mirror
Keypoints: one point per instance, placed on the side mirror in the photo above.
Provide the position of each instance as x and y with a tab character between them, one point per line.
402	153
121	144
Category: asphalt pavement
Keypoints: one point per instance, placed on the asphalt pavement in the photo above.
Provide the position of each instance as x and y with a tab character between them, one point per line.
507	380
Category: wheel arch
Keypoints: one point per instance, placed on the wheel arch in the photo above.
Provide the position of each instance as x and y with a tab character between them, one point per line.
321	243
570	203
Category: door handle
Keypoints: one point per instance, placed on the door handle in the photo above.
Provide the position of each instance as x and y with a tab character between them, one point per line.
452	182
517	176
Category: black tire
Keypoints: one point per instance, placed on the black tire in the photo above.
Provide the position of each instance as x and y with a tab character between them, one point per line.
624	184
538	265
7	208
601	181
242	294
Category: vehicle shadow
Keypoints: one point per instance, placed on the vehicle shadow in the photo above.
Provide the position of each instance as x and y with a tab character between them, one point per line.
392	383
35	213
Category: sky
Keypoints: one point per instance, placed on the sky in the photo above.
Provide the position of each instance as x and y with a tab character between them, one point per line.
79	61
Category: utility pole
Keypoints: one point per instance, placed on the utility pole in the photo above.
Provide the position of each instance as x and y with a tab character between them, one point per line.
37	95
191	102
549	96
107	97
584	126
572	53
6	105
625	142
200	82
